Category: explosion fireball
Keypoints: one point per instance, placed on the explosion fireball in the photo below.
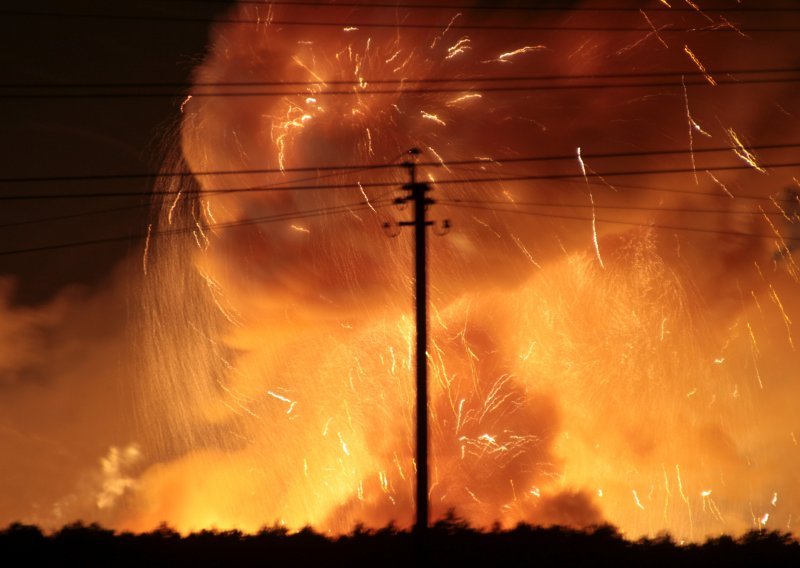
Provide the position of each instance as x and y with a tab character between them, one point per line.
612	311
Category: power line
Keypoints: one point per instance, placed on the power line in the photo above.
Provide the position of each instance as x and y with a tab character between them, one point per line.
366	185
513	206
491	7
404	91
714	27
73	215
424	80
633	223
362	205
378	204
358	168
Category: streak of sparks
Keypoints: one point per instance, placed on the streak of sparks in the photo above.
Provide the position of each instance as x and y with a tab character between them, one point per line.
720	184
459	47
216	291
206	243
728	24
174	205
506	57
636	500
345	449
463	98
582	165
667	492
350	29
446	29
369	143
146	248
685	498
784	250
433	117
594	234
307	68
185	102
300	229
743	153
786	320
699	64
393	56
438	157
364	193
525	252
655	30
697	8
665	3
692	126
209	213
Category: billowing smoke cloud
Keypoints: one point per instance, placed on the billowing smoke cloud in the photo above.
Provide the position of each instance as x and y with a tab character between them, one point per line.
591	360
66	372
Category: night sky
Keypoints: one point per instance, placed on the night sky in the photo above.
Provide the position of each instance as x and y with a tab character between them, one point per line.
62	137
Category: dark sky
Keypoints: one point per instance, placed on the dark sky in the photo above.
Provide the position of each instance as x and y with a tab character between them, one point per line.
63	137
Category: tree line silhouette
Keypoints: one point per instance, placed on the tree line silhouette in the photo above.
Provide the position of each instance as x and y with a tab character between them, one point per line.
450	541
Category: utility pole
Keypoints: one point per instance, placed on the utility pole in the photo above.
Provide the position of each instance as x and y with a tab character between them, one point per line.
417	193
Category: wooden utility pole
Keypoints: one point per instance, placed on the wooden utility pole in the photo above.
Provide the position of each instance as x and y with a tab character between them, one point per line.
417	193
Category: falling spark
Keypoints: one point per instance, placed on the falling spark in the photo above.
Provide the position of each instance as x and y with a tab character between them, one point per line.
209	213
774	499
665	3
369	143
684	497
582	165
594	234
344	444
462	98
350	29
730	25
506	57
364	193
461	46
439	158
739	149
300	229
697	8
525	252
787	322
393	56
433	117
279	397
699	64
655	30
185	102
636	500
692	126
720	184
146	248
446	29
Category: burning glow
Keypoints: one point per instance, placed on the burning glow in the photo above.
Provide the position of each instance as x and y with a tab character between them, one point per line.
559	376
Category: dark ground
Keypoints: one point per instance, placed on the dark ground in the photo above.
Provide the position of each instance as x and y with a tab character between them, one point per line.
450	542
